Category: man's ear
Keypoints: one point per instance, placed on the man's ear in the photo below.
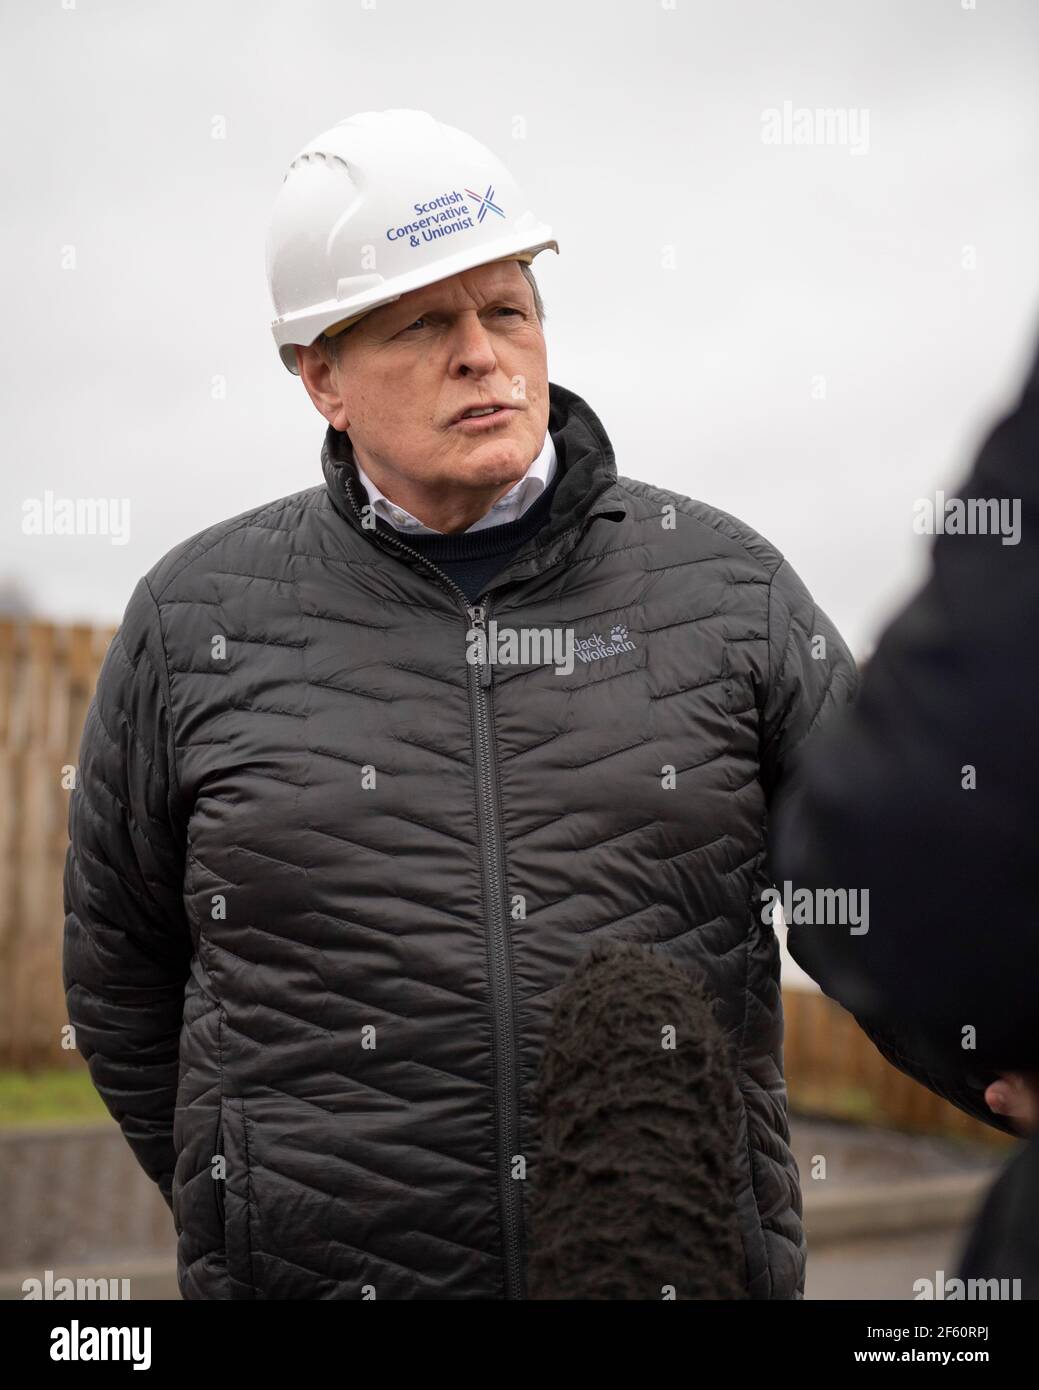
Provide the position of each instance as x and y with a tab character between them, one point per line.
318	377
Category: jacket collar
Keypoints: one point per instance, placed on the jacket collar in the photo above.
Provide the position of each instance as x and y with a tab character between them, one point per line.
511	507
587	484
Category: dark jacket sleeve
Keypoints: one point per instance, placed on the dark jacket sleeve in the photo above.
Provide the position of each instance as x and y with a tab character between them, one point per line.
923	793
127	946
811	675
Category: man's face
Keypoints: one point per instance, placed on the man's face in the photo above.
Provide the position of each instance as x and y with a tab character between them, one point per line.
408	370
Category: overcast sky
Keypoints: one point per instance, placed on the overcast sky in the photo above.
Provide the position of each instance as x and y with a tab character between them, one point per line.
827	339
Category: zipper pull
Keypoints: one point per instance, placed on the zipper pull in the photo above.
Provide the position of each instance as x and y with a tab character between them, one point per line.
477	617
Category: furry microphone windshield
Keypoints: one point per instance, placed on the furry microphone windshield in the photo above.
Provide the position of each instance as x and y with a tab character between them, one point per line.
633	1193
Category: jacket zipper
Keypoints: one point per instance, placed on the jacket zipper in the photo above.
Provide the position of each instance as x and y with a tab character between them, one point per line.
480	678
495	884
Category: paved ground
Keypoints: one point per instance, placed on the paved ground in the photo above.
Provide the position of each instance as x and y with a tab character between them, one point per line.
929	1176
881	1268
918	1192
865	1155
884	1269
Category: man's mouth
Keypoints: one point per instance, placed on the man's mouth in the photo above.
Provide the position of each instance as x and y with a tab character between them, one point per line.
483	416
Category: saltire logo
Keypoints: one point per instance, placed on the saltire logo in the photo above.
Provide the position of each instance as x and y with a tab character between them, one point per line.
487	203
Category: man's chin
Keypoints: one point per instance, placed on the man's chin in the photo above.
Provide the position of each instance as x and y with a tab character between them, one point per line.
491	462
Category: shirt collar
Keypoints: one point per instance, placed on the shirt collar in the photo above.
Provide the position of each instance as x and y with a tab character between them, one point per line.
510	507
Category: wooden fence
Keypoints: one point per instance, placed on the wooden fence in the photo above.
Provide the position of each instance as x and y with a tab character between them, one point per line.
47	675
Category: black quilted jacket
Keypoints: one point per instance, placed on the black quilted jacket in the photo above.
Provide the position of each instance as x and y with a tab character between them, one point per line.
326	873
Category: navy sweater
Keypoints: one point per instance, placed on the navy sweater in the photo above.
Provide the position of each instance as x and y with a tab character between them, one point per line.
473	558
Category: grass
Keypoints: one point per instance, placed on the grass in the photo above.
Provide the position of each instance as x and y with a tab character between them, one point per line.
50	1096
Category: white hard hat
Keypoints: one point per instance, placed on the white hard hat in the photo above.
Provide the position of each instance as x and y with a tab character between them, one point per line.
383	203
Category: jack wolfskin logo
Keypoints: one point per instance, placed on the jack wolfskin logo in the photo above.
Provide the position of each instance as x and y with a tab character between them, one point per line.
596	647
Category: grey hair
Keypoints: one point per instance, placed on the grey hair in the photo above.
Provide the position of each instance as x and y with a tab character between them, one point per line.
539	303
329	347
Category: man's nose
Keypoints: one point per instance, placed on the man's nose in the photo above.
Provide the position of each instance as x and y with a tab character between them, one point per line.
472	351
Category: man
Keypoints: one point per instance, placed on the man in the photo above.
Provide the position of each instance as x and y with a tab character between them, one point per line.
921	794
371	766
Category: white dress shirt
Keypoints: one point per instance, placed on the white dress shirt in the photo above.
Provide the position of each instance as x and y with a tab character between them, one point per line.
510	507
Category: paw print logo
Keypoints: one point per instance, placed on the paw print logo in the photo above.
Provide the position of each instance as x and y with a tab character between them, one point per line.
619	633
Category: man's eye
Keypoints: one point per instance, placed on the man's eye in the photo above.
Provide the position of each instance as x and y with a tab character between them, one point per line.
421	322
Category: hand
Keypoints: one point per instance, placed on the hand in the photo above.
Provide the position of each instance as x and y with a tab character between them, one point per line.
1016	1095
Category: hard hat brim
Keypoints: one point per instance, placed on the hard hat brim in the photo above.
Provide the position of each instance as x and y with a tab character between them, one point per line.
304	328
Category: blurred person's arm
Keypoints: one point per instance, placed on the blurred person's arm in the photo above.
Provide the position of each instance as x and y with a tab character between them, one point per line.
944	981
1004	1241
127	946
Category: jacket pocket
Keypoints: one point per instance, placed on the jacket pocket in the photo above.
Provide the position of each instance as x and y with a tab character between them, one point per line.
219	1174
197	1190
237	1205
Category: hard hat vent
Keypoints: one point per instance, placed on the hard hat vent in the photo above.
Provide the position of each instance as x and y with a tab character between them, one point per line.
311	157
